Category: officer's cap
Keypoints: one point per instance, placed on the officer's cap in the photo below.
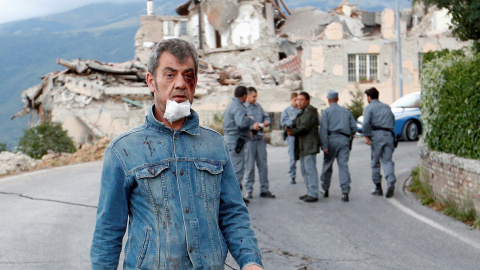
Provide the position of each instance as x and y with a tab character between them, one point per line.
332	94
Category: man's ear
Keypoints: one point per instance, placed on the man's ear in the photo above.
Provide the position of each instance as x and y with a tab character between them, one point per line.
149	79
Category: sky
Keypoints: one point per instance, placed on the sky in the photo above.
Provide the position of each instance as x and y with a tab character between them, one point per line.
12	10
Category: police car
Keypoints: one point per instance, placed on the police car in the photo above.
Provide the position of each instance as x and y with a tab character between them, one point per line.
407	117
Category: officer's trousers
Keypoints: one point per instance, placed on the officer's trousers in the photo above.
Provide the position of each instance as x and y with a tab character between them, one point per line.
238	159
382	151
256	152
308	166
338	148
292	167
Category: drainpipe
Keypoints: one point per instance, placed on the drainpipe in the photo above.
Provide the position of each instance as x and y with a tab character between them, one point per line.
200	38
399	52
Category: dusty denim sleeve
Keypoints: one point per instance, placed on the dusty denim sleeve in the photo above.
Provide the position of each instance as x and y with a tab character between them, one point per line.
234	221
112	214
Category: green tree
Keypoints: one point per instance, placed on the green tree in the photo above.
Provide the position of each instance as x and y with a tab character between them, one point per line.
356	105
465	18
38	140
3	147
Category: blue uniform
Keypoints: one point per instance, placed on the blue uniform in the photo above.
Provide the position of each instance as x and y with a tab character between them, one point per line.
288	115
379	115
236	124
256	150
337	124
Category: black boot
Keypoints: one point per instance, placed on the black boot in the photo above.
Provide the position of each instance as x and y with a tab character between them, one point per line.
378	190
293	181
390	190
325	193
345	197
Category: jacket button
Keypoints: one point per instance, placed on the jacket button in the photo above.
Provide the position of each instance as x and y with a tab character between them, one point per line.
182	172
187	210
190	250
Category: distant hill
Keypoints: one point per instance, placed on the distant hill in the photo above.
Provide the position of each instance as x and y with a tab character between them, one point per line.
29	49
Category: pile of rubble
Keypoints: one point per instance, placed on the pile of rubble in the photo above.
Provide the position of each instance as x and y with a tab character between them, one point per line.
87	152
15	163
19	162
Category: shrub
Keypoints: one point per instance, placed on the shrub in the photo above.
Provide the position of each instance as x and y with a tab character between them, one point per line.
38	140
3	147
356	105
420	188
450	102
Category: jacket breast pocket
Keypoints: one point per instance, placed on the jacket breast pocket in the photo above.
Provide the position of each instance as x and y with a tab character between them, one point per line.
153	183
208	179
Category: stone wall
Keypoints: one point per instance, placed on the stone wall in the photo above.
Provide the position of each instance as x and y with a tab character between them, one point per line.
451	177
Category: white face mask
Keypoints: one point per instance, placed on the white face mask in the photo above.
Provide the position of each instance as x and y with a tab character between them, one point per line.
175	111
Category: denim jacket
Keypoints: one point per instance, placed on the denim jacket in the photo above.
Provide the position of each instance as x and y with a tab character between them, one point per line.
177	194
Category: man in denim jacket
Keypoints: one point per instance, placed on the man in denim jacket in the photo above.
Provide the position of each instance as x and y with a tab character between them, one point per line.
172	182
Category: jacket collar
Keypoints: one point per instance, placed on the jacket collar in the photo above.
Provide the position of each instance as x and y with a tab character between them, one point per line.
248	104
235	99
190	125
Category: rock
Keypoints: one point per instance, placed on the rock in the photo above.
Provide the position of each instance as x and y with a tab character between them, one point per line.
11	162
276	138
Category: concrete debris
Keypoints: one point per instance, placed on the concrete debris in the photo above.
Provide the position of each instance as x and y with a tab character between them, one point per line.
87	152
94	99
221	13
14	163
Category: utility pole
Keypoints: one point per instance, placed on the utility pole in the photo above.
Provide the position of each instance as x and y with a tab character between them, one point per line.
200	38
399	52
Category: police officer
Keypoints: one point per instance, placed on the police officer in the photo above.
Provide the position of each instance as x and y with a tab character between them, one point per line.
256	151
236	129
337	128
378	124
288	115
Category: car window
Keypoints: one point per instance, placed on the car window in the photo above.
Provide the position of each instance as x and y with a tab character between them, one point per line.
407	101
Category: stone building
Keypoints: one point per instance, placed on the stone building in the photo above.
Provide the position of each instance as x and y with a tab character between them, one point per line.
258	43
355	49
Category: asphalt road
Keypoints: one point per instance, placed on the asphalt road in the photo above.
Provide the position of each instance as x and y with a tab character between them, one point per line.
48	217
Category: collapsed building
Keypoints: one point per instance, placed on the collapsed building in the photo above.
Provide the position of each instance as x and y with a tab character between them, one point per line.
258	43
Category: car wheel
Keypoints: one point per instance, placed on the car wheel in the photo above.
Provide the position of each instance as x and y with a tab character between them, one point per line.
410	131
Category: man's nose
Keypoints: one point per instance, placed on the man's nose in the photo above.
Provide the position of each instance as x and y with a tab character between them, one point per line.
180	82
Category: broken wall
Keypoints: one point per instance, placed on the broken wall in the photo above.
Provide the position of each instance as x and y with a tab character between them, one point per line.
149	33
325	65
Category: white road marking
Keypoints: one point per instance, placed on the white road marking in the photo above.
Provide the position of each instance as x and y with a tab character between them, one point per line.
434	224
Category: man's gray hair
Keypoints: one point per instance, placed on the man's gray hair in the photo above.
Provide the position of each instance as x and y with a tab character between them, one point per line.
180	48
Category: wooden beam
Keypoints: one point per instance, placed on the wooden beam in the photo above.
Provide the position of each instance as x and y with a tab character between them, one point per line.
278	9
286	8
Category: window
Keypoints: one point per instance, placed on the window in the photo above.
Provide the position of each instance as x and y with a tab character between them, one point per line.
169	28
183	28
363	68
